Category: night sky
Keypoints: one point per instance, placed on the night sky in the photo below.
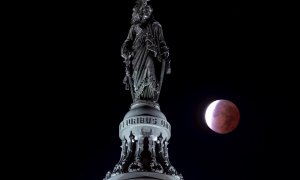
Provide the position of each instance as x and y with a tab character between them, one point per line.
218	50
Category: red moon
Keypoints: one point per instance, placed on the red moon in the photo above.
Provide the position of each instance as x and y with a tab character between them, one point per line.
222	116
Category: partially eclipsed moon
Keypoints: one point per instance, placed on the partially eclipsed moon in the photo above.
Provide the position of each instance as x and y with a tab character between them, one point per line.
222	116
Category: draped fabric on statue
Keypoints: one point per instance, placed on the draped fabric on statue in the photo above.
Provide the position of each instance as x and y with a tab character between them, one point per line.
144	46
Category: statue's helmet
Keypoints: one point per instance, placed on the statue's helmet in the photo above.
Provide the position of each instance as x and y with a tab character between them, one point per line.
141	12
146	11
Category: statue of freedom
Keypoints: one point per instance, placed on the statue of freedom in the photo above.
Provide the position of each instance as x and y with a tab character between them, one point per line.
146	55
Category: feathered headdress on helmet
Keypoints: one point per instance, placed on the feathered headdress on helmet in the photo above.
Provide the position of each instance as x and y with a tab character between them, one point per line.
139	4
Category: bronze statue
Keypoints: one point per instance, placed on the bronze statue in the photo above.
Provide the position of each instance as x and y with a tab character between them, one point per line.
146	55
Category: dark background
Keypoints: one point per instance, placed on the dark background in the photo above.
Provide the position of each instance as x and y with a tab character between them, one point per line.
219	50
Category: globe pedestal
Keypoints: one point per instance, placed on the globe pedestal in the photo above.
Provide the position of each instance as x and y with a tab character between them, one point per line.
145	119
144	133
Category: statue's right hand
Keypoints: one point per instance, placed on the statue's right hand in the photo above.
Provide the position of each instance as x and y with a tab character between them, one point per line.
130	56
124	56
127	55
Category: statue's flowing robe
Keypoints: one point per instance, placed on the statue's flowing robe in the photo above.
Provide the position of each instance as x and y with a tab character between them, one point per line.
145	45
